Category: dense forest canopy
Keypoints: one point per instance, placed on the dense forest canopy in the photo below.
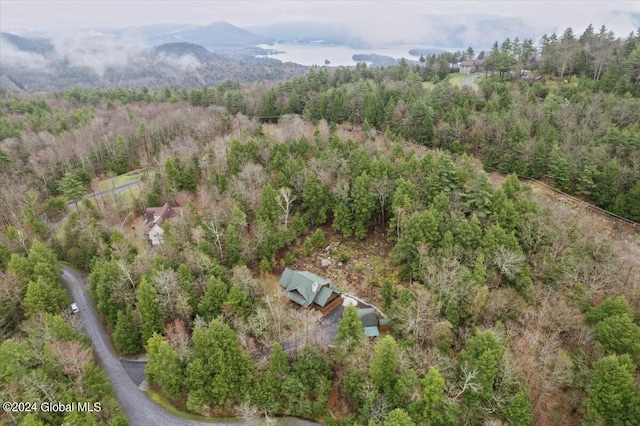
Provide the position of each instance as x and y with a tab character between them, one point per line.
505	309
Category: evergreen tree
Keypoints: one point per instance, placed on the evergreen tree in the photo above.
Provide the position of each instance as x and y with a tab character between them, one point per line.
269	210
126	335
164	367
398	417
71	187
350	331
268	393
608	308
612	391
518	410
342	218
233	236
101	284
44	296
620	335
363	203
435	409
315	200
210	305
219	369
147	304
559	168
383	368
479	196
483	353
237	302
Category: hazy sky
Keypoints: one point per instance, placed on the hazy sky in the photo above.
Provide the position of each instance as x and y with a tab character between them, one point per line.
367	17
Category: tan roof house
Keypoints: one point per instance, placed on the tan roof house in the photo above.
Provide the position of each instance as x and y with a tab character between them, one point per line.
468	67
154	218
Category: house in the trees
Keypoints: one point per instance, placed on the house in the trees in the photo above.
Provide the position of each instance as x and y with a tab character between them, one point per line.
154	218
310	291
469	67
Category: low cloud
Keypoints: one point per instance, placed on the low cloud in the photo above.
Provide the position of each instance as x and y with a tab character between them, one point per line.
97	51
94	50
184	62
9	54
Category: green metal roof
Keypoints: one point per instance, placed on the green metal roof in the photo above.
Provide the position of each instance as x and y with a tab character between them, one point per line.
323	295
305	288
368	317
371	331
286	277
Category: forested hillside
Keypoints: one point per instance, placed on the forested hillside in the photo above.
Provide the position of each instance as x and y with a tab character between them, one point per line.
504	310
45	360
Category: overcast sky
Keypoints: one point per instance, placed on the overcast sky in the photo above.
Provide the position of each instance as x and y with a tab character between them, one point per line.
366	16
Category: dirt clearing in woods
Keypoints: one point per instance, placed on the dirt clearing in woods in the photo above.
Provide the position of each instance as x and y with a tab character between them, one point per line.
354	266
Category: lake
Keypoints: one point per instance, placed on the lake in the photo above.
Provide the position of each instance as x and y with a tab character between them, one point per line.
339	55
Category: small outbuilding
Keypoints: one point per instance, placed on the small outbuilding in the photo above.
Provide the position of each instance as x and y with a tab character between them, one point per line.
371	323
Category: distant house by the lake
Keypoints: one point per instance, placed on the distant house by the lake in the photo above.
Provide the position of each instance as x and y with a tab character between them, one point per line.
310	291
469	67
154	218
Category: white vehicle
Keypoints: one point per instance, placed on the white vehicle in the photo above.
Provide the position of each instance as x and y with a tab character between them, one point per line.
74	308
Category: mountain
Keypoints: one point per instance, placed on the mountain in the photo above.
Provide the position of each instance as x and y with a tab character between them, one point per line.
214	36
304	31
32	45
183	49
450	31
461	31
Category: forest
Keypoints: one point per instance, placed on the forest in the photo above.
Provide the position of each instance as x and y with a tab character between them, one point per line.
506	308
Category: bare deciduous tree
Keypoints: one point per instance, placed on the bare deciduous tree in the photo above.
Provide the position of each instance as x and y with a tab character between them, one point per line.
469	381
285	200
382	188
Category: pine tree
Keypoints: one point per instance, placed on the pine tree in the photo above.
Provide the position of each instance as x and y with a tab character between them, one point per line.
559	168
219	369
479	196
398	417
43	296
612	391
383	368
620	335
126	335
210	305
233	236
518	410
268	391
350	331
269	210
435	409
237	302
164	367
342	218
147	304
483	353
71	187
315	200
363	203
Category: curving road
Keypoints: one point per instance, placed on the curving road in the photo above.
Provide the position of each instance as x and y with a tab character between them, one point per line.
138	408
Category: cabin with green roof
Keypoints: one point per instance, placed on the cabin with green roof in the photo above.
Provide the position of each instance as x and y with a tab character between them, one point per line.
310	291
